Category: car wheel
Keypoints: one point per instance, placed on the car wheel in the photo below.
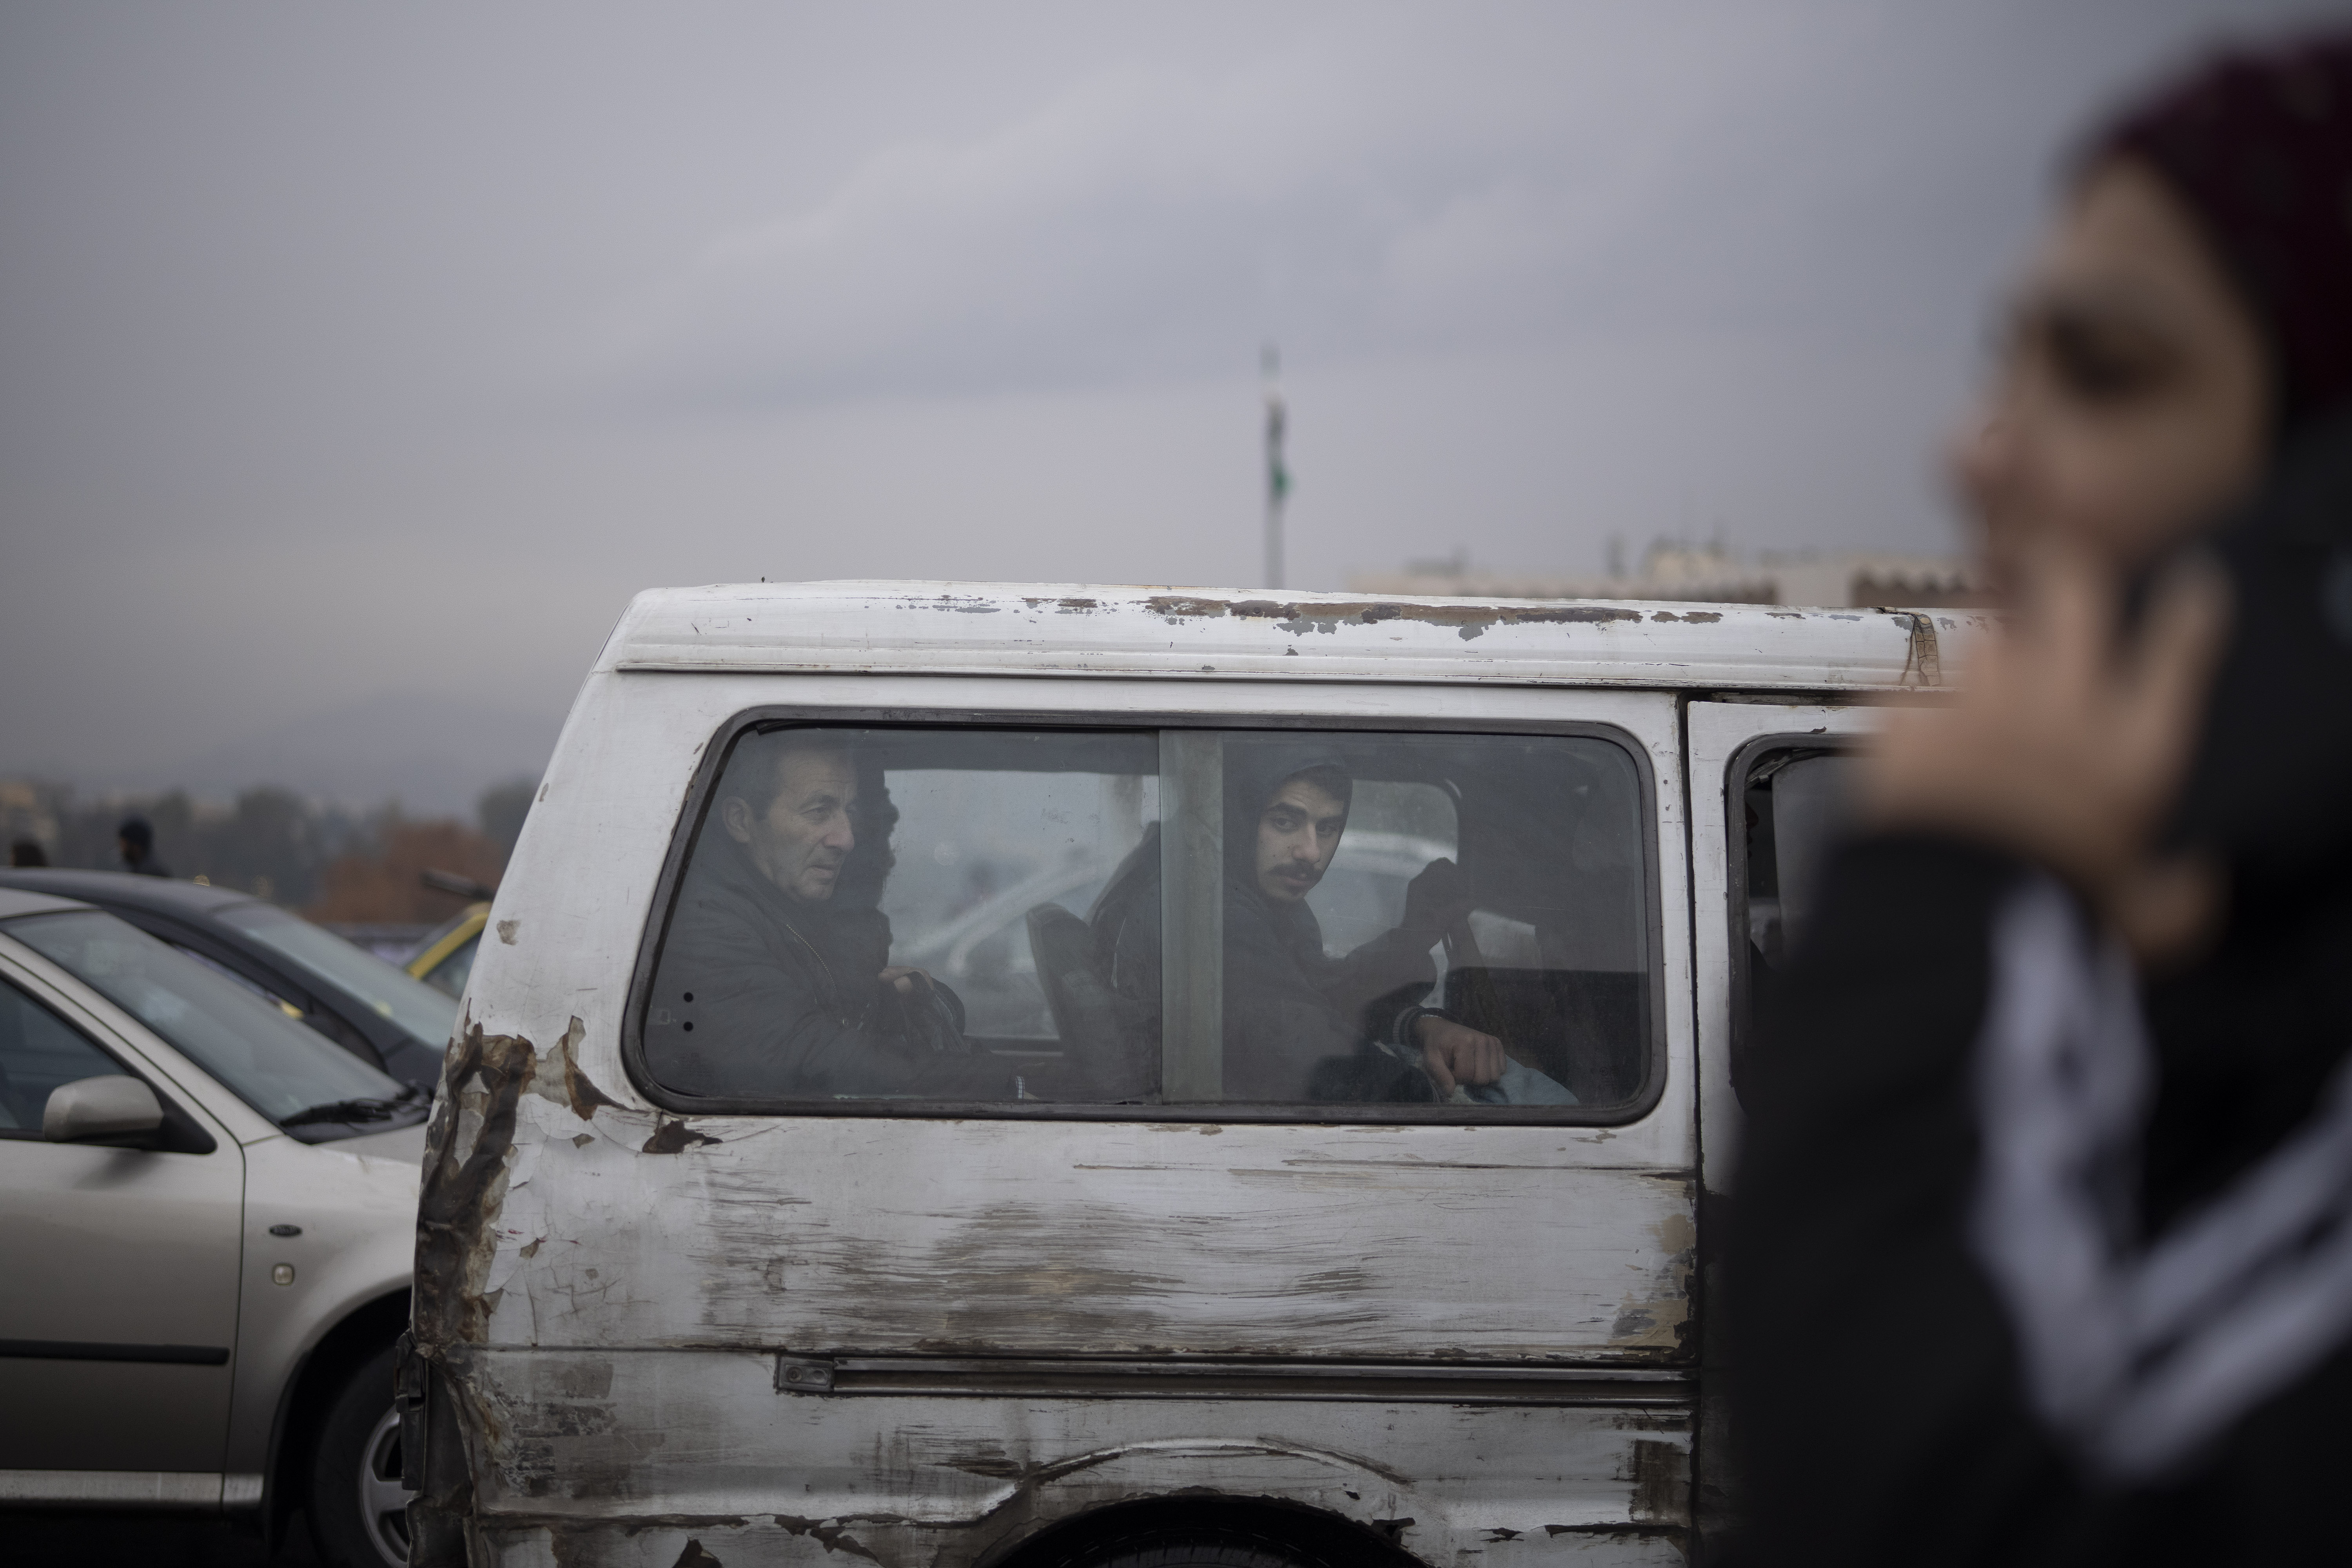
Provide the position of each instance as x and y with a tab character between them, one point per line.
358	1508
1193	1549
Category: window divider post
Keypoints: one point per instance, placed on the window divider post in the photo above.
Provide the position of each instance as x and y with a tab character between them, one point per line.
1192	916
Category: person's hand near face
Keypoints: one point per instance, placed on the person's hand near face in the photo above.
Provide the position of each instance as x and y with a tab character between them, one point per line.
1298	833
2071	743
803	837
2131	405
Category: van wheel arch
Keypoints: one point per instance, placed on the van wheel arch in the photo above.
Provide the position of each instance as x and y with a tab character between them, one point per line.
1309	1533
302	1403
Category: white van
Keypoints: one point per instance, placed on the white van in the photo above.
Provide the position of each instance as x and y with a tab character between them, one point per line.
1063	1076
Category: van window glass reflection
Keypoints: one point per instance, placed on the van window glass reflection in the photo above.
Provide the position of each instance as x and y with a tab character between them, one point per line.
983	916
1363	963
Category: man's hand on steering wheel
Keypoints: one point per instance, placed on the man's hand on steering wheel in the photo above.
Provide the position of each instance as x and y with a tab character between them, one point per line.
905	979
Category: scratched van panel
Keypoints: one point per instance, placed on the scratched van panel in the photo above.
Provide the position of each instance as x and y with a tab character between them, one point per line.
1088	1239
759	1543
580	1437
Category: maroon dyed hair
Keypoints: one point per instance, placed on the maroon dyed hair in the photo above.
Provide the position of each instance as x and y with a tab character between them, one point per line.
2258	144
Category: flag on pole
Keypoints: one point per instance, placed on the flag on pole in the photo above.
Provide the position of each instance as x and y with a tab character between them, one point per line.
1278	472
1278	476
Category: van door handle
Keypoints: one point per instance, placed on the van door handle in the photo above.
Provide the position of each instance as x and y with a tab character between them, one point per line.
804	1373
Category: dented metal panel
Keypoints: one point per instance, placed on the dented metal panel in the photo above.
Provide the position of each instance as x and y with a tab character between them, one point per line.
1085	1240
590	1437
1486	1332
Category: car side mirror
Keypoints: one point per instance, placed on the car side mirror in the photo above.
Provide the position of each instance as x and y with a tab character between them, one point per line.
110	1107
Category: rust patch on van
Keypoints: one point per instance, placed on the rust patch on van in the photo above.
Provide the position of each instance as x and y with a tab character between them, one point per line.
1924	664
672	1136
1030	1477
1470	619
829	1533
1661	1476
1659	1317
1176	604
463	1190
573	1544
571	1088
1651	1421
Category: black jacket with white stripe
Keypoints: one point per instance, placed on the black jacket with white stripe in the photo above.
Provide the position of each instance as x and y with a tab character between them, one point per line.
1891	1406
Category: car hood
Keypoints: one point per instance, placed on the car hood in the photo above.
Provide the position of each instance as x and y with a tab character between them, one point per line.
406	1144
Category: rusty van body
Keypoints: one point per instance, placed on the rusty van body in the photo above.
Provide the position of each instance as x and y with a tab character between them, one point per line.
675	1306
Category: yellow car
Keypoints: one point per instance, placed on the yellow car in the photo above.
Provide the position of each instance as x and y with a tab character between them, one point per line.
446	957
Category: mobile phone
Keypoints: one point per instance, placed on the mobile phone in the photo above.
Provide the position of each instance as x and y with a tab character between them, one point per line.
2270	785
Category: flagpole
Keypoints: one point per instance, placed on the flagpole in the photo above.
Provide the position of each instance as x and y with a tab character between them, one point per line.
1277	477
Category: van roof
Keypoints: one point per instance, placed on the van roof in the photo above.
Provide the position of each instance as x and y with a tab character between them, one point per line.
1014	629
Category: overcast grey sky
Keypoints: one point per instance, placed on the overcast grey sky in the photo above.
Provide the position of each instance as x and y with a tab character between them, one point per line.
366	357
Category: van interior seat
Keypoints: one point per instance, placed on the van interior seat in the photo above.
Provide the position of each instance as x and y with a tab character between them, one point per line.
1085	1016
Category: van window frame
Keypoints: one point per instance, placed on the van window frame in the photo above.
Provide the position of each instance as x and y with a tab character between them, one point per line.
1740	1037
701	791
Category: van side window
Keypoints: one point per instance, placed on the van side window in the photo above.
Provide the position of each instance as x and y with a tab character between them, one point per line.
1198	919
1792	811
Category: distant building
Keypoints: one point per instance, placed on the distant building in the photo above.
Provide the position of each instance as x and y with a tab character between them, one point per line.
1710	575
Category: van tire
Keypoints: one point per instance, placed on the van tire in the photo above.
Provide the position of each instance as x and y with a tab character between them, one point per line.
354	1471
1193	1549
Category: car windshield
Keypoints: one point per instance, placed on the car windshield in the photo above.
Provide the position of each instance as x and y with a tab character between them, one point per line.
275	1065
449	976
421	1011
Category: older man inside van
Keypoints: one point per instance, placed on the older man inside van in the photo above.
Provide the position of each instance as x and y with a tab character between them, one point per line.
775	979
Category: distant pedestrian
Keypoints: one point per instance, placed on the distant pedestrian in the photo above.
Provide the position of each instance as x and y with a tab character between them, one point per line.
27	852
135	842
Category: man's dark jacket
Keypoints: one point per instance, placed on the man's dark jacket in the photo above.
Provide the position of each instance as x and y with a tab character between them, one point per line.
768	996
1295	1019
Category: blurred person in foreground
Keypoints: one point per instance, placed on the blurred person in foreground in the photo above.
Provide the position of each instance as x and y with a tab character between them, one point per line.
134	842
2043	1251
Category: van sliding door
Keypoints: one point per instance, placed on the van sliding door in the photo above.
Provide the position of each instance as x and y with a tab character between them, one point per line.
1764	781
1290	1096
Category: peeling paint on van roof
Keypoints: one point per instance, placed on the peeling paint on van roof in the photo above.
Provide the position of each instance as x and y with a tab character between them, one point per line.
1076	629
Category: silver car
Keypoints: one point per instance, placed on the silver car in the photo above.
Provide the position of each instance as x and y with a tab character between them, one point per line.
207	1213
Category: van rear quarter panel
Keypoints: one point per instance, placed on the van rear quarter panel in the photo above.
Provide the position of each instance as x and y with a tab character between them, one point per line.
605	1284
